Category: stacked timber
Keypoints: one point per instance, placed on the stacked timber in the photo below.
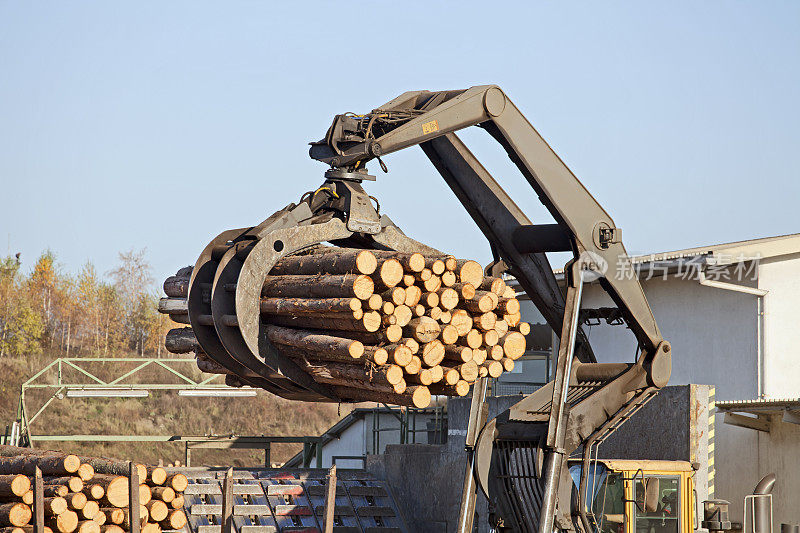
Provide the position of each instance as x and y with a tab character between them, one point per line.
86	494
377	325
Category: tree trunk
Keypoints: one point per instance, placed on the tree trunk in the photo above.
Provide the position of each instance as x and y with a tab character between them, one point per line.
319	286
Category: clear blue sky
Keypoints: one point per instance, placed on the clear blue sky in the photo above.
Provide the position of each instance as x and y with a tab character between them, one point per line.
159	124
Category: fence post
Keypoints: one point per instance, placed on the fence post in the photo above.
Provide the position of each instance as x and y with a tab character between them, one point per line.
133	498
330	501
38	501
227	502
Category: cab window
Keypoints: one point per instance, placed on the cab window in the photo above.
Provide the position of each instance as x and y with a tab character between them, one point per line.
656	504
608	506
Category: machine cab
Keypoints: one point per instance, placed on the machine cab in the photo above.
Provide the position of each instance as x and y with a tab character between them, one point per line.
639	496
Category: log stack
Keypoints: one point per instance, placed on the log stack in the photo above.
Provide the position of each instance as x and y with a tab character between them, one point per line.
85	494
377	325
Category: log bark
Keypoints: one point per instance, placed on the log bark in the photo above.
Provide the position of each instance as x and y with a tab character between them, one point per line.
482	302
336	261
461	388
317	342
56	490
74	483
111	466
176	286
12	485
368	324
319	286
312	306
461	354
50	464
415	396
466	291
389	374
378	355
14	514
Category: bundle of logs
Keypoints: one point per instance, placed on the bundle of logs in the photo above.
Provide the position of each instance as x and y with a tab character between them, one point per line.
85	494
378	325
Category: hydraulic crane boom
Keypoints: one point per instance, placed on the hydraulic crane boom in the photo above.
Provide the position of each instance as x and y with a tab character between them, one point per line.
519	456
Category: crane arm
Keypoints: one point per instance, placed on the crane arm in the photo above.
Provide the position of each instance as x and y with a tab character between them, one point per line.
585	400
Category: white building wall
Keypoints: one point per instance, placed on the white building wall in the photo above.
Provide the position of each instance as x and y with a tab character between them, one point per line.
782	326
713	332
357	439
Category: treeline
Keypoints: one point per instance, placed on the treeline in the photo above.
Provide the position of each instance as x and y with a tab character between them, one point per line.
47	310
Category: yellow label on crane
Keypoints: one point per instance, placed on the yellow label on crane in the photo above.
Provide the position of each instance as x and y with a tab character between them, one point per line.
430	127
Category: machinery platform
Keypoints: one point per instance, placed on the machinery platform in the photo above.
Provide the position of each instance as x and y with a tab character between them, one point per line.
289	500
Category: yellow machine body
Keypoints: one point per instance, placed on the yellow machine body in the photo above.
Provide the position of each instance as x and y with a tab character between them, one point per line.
623	504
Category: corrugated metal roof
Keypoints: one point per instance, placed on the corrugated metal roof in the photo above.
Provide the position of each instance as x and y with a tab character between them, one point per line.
726	253
781	403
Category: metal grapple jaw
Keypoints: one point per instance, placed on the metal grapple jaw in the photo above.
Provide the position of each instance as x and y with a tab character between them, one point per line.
225	287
